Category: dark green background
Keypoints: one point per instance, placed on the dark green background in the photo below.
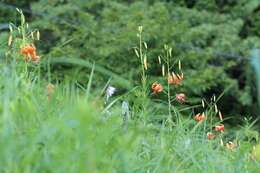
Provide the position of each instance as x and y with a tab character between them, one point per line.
212	38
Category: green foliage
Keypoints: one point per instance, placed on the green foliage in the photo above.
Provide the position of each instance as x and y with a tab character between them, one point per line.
104	32
213	39
66	135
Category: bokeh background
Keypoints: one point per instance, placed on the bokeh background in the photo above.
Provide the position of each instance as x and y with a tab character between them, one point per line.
214	39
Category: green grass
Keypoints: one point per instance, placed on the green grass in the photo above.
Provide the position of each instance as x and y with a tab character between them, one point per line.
69	133
70	129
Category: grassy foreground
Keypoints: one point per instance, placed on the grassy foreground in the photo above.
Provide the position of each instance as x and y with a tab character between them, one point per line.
71	134
67	128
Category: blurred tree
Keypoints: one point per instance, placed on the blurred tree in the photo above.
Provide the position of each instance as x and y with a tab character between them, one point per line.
212	39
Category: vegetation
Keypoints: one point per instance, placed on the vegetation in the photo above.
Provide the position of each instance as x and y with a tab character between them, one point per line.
213	39
130	86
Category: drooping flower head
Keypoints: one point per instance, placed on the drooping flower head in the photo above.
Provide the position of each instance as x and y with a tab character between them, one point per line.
175	79
220	128
200	117
157	88
211	136
180	97
29	52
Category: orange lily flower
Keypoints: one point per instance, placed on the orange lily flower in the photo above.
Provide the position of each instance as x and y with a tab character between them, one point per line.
157	88
200	117
211	136
180	97
220	128
29	51
175	79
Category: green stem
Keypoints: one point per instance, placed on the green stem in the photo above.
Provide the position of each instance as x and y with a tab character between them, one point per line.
142	64
143	77
169	90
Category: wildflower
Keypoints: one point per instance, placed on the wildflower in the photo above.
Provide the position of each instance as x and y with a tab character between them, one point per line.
220	128
211	136
29	51
230	145
109	92
157	88
200	117
180	97
175	79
